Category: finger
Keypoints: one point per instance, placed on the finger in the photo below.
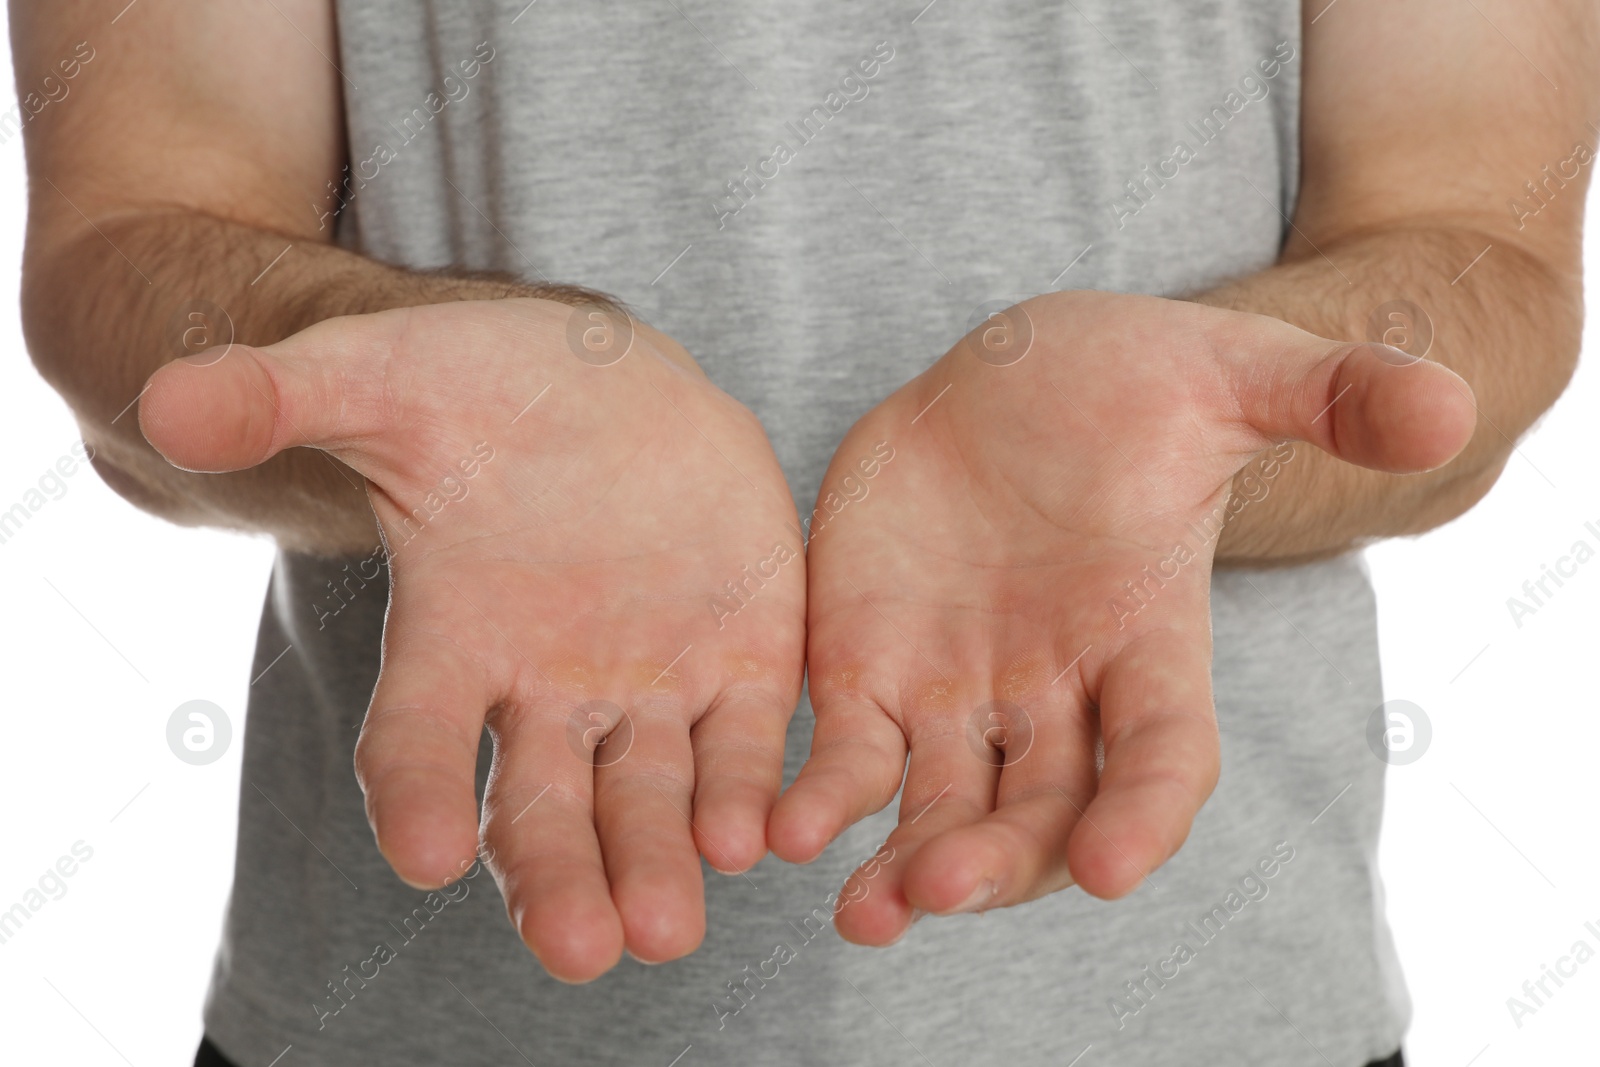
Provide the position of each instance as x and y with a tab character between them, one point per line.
858	756
738	770
417	753
642	804
947	786
1161	760
1369	404
234	407
1021	847
539	826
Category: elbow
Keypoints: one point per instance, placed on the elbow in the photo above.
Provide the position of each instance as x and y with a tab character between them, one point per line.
1542	335
1450	498
42	319
1565	342
1541	338
54	313
1535	347
79	318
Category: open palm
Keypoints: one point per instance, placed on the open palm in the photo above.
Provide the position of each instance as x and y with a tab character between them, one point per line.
1020	595
592	554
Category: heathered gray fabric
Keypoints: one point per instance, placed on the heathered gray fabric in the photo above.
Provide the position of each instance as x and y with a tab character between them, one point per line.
595	146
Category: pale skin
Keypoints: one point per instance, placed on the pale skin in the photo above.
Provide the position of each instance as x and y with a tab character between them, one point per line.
979	567
1396	201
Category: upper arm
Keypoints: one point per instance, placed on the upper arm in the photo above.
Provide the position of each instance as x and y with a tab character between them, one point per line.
1437	112
228	107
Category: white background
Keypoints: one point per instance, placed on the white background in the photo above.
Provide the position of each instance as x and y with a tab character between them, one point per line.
111	619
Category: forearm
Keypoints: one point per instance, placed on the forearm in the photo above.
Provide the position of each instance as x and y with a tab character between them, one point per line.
103	310
1510	326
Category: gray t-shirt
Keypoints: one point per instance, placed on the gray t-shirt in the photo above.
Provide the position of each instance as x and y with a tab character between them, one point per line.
815	198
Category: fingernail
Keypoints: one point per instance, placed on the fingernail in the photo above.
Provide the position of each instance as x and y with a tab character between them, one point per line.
980	896
636	959
916	913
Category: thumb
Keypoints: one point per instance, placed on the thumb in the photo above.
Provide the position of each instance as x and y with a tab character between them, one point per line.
234	407
1368	404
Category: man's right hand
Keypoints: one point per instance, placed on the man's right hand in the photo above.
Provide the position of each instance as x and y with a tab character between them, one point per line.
598	561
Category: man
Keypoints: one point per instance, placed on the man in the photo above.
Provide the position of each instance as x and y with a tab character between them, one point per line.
363	226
